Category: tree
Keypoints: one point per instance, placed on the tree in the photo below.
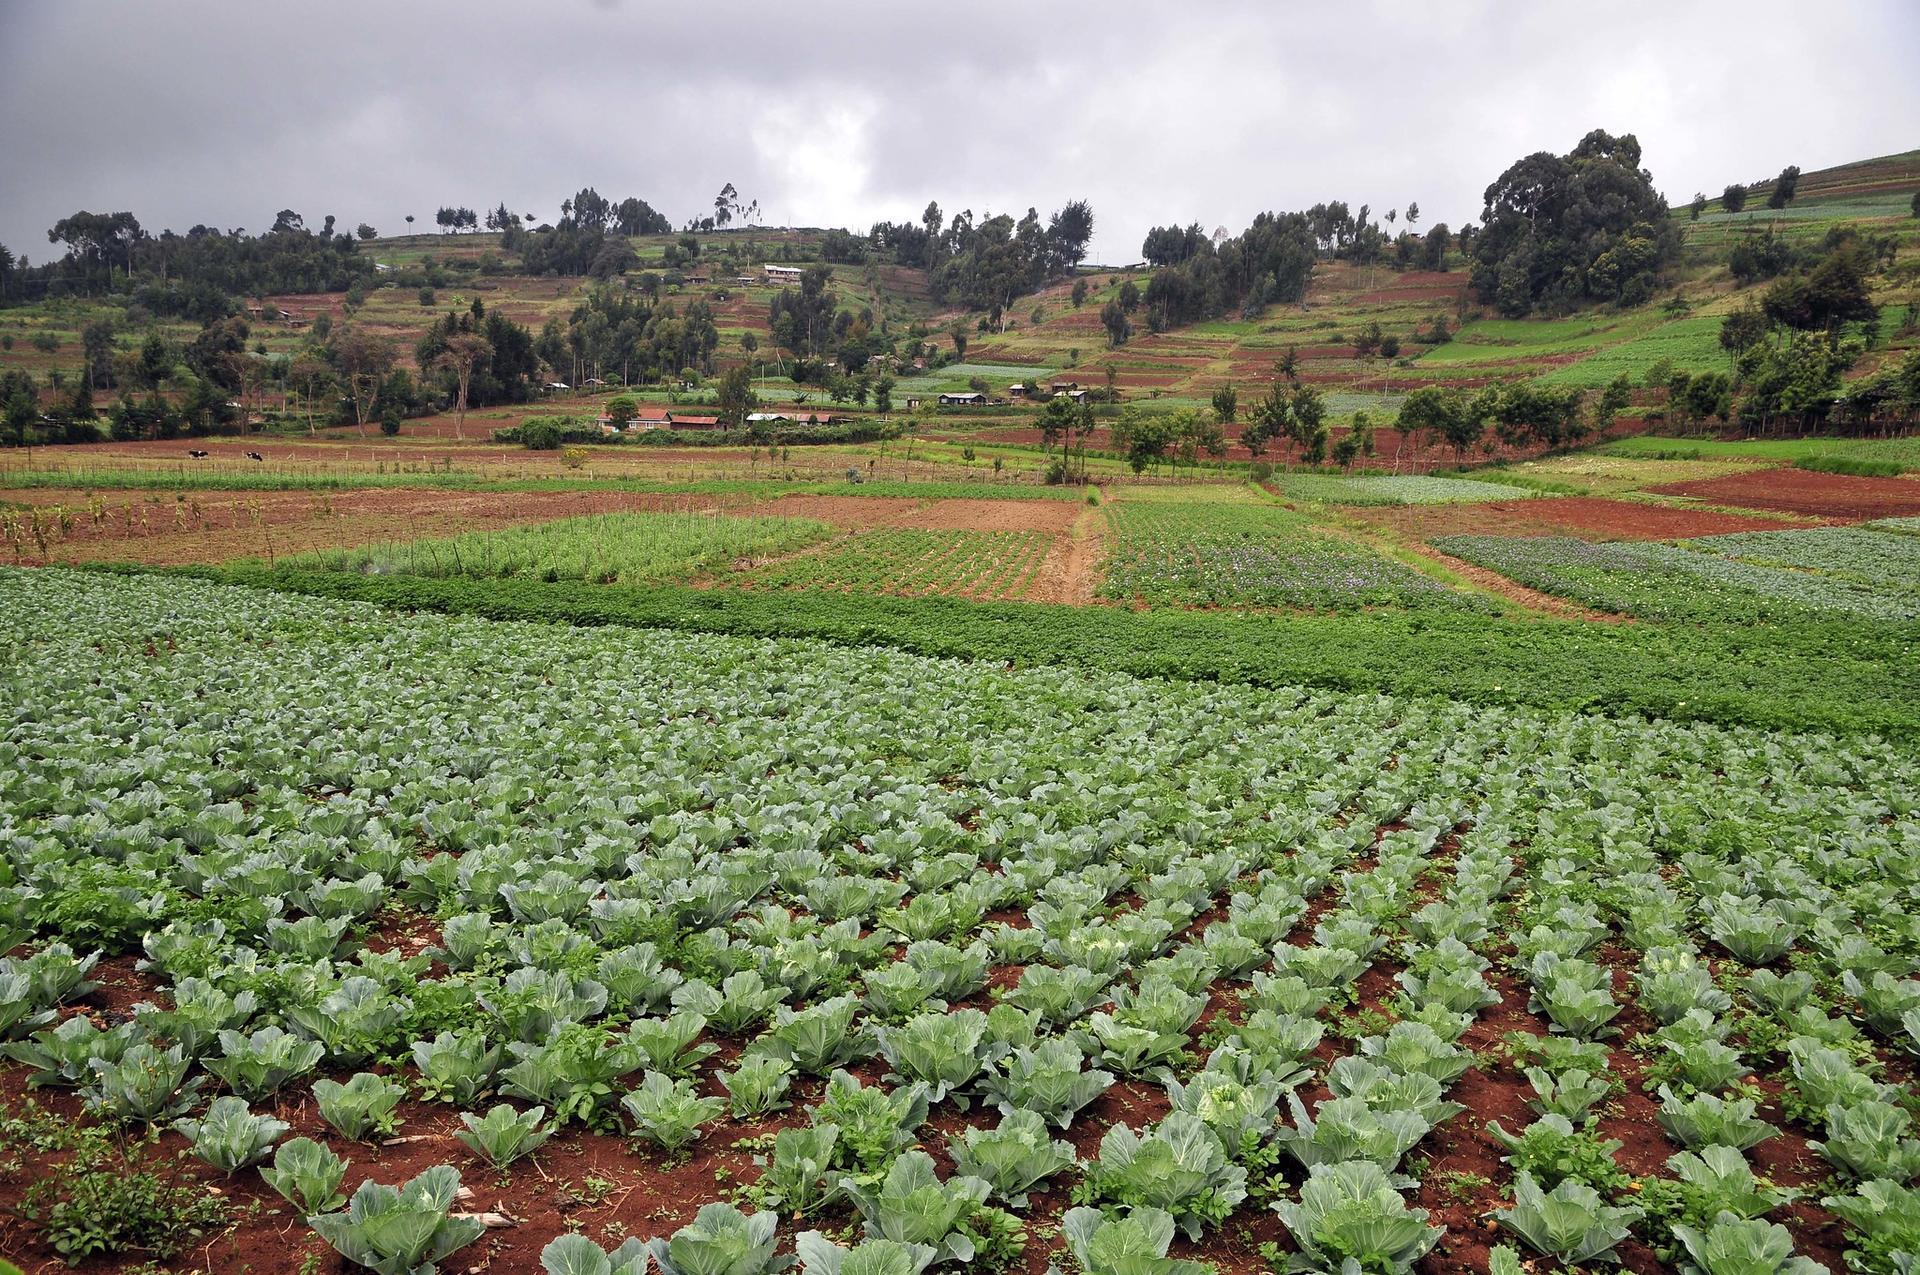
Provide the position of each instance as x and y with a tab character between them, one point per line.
1113	317
736	396
1270	418
1734	197
1226	403
1079	293
364	360
1056	422
883	394
621	409
464	353
366	232
1562	230
96	339
1144	438
1309	424
1413	214
1698	206
959	334
311	376
1784	187
1427	413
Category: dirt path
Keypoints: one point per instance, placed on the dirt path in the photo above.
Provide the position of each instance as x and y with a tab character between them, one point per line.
1086	552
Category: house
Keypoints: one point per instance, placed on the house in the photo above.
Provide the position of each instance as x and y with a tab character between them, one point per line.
557	387
593	380
913	404
1076	395
1058	388
1018	390
784	274
677	421
963	400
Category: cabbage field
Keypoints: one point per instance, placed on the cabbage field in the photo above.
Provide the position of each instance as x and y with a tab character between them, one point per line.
441	943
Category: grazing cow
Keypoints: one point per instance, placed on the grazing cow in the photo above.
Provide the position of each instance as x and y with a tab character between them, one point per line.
196	453
255	456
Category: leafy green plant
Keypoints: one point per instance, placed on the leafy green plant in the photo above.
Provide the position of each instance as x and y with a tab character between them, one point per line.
1349	1129
503	1135
456	1067
821	1256
910	1205
1135	1244
1571	1094
308	1175
798	1177
666	1111
1736	1246
1179	1166
1571	1222
1553	1151
875	1123
1883	1219
110	1204
721	1240
940	1051
1012	1157
1869	1140
573	1074
63	1055
1705	1119
1046	1079
758	1085
578	1255
260	1064
365	1104
404	1230
144	1085
1349	1217
667	1045
820	1038
230	1137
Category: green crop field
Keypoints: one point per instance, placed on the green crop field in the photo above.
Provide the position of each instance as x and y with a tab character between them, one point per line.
1227	554
624	548
726	903
983	564
1901	451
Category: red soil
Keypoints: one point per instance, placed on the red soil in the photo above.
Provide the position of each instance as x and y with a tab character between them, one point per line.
1801	491
1588	517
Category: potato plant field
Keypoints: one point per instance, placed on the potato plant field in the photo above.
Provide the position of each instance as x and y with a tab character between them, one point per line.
442	943
983	564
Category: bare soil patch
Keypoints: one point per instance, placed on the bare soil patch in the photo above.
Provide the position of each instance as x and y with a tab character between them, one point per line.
1589	517
1801	491
856	512
1055	516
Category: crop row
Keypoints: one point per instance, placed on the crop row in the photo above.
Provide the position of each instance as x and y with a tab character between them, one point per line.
1671	582
1395	489
986	564
1252	555
634	856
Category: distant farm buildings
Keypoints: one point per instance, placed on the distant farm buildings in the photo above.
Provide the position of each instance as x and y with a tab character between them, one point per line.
784	274
963	400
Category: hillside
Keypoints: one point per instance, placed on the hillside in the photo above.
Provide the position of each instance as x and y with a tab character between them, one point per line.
423	277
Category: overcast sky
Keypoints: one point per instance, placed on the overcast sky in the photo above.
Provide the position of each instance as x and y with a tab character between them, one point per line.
841	113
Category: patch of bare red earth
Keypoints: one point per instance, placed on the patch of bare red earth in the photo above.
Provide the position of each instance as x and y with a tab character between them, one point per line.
1587	517
1806	492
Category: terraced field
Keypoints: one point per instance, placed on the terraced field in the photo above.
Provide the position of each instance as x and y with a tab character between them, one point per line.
908	560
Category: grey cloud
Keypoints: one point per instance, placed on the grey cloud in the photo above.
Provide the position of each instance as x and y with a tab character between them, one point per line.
840	113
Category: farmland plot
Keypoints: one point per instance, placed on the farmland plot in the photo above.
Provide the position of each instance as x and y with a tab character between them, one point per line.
1391	489
1251	555
912	560
628	548
1668	582
1337	973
